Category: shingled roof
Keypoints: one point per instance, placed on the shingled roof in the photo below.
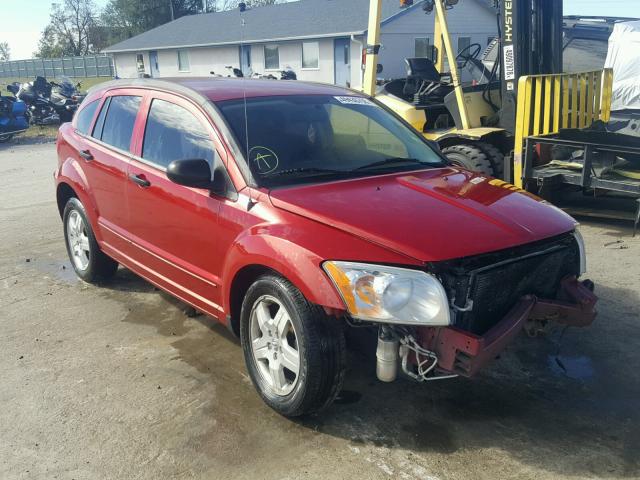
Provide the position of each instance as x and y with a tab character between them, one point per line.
294	20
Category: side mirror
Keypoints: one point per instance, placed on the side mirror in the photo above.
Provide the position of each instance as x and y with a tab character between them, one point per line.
379	68
195	173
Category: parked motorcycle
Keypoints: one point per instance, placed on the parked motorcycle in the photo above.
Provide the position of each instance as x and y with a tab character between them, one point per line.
40	109
65	98
12	117
288	74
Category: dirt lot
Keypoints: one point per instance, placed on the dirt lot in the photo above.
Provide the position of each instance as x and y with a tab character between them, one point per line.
119	382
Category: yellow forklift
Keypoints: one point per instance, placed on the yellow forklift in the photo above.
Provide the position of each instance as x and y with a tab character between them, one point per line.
519	88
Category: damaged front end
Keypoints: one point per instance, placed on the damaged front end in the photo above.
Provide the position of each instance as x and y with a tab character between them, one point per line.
493	298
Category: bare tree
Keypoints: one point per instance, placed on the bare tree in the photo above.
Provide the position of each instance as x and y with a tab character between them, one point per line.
69	30
5	51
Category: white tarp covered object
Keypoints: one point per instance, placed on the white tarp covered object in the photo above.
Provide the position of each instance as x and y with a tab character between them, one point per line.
624	58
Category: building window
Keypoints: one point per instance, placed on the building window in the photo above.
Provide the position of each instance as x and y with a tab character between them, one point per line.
271	57
423	49
463	44
140	62
183	61
310	55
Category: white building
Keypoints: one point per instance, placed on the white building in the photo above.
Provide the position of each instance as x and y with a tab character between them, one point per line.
321	40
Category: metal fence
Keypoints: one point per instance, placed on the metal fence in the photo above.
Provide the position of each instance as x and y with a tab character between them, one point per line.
87	66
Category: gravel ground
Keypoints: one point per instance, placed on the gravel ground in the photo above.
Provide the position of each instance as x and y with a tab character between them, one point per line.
121	382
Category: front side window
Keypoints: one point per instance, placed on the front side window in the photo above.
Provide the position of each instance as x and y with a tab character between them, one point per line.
174	133
119	121
297	139
271	57
183	61
85	116
310	55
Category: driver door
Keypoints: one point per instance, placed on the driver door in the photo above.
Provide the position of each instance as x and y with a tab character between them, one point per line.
174	229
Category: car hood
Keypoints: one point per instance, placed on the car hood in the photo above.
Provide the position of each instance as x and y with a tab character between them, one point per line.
430	215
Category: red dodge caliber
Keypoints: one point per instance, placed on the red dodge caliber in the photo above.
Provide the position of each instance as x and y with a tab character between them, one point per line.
293	211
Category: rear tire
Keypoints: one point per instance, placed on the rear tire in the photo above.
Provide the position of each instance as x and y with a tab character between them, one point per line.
478	157
88	261
282	332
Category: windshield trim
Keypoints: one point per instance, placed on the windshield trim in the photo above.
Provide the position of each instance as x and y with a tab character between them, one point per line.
365	176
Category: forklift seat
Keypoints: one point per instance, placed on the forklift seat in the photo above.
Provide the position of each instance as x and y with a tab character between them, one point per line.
422	68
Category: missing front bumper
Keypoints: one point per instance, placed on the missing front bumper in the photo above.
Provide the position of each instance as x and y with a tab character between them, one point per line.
463	353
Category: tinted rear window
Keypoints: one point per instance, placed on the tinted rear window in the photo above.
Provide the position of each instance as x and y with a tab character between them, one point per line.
119	121
97	129
85	116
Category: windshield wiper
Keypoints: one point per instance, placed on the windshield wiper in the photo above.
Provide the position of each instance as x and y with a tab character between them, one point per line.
389	161
306	170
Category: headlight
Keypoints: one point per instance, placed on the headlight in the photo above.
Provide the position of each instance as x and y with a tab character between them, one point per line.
390	295
581	249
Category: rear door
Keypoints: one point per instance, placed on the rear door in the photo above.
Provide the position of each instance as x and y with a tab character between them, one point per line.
105	152
174	228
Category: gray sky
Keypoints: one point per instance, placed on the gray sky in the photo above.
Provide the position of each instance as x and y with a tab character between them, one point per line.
22	30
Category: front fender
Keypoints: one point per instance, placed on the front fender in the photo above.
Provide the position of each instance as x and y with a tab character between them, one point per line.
300	266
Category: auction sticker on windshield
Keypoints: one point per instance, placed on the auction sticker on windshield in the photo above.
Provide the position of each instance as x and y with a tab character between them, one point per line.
354	101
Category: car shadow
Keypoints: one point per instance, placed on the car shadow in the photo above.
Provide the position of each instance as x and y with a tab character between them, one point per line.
565	403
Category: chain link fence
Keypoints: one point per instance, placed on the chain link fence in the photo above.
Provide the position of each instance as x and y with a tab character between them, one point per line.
86	66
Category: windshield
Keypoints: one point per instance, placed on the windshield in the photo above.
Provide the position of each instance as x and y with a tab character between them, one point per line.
298	139
66	86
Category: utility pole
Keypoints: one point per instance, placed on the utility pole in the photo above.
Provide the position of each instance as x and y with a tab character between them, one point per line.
171	9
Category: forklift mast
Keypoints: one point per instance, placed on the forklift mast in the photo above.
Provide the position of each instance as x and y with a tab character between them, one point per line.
532	44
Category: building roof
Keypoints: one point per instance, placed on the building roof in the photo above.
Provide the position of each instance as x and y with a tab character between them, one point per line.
218	89
286	21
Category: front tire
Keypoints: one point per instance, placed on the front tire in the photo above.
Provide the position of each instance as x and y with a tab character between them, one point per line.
294	352
88	261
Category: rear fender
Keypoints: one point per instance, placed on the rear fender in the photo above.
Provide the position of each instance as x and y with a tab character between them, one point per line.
71	173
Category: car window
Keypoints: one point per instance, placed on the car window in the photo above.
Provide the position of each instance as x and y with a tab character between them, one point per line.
97	128
85	116
119	121
299	138
174	133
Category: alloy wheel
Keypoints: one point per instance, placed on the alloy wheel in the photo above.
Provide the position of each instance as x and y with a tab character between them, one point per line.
274	345
78	240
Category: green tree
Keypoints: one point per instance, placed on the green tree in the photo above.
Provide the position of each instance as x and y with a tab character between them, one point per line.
5	51
131	17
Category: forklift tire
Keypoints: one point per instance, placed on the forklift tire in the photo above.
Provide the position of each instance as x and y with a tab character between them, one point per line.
495	156
470	156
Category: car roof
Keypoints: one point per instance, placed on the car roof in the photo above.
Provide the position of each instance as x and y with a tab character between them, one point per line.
219	89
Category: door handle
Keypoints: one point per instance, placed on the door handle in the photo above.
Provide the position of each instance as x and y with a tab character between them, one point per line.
140	180
86	154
